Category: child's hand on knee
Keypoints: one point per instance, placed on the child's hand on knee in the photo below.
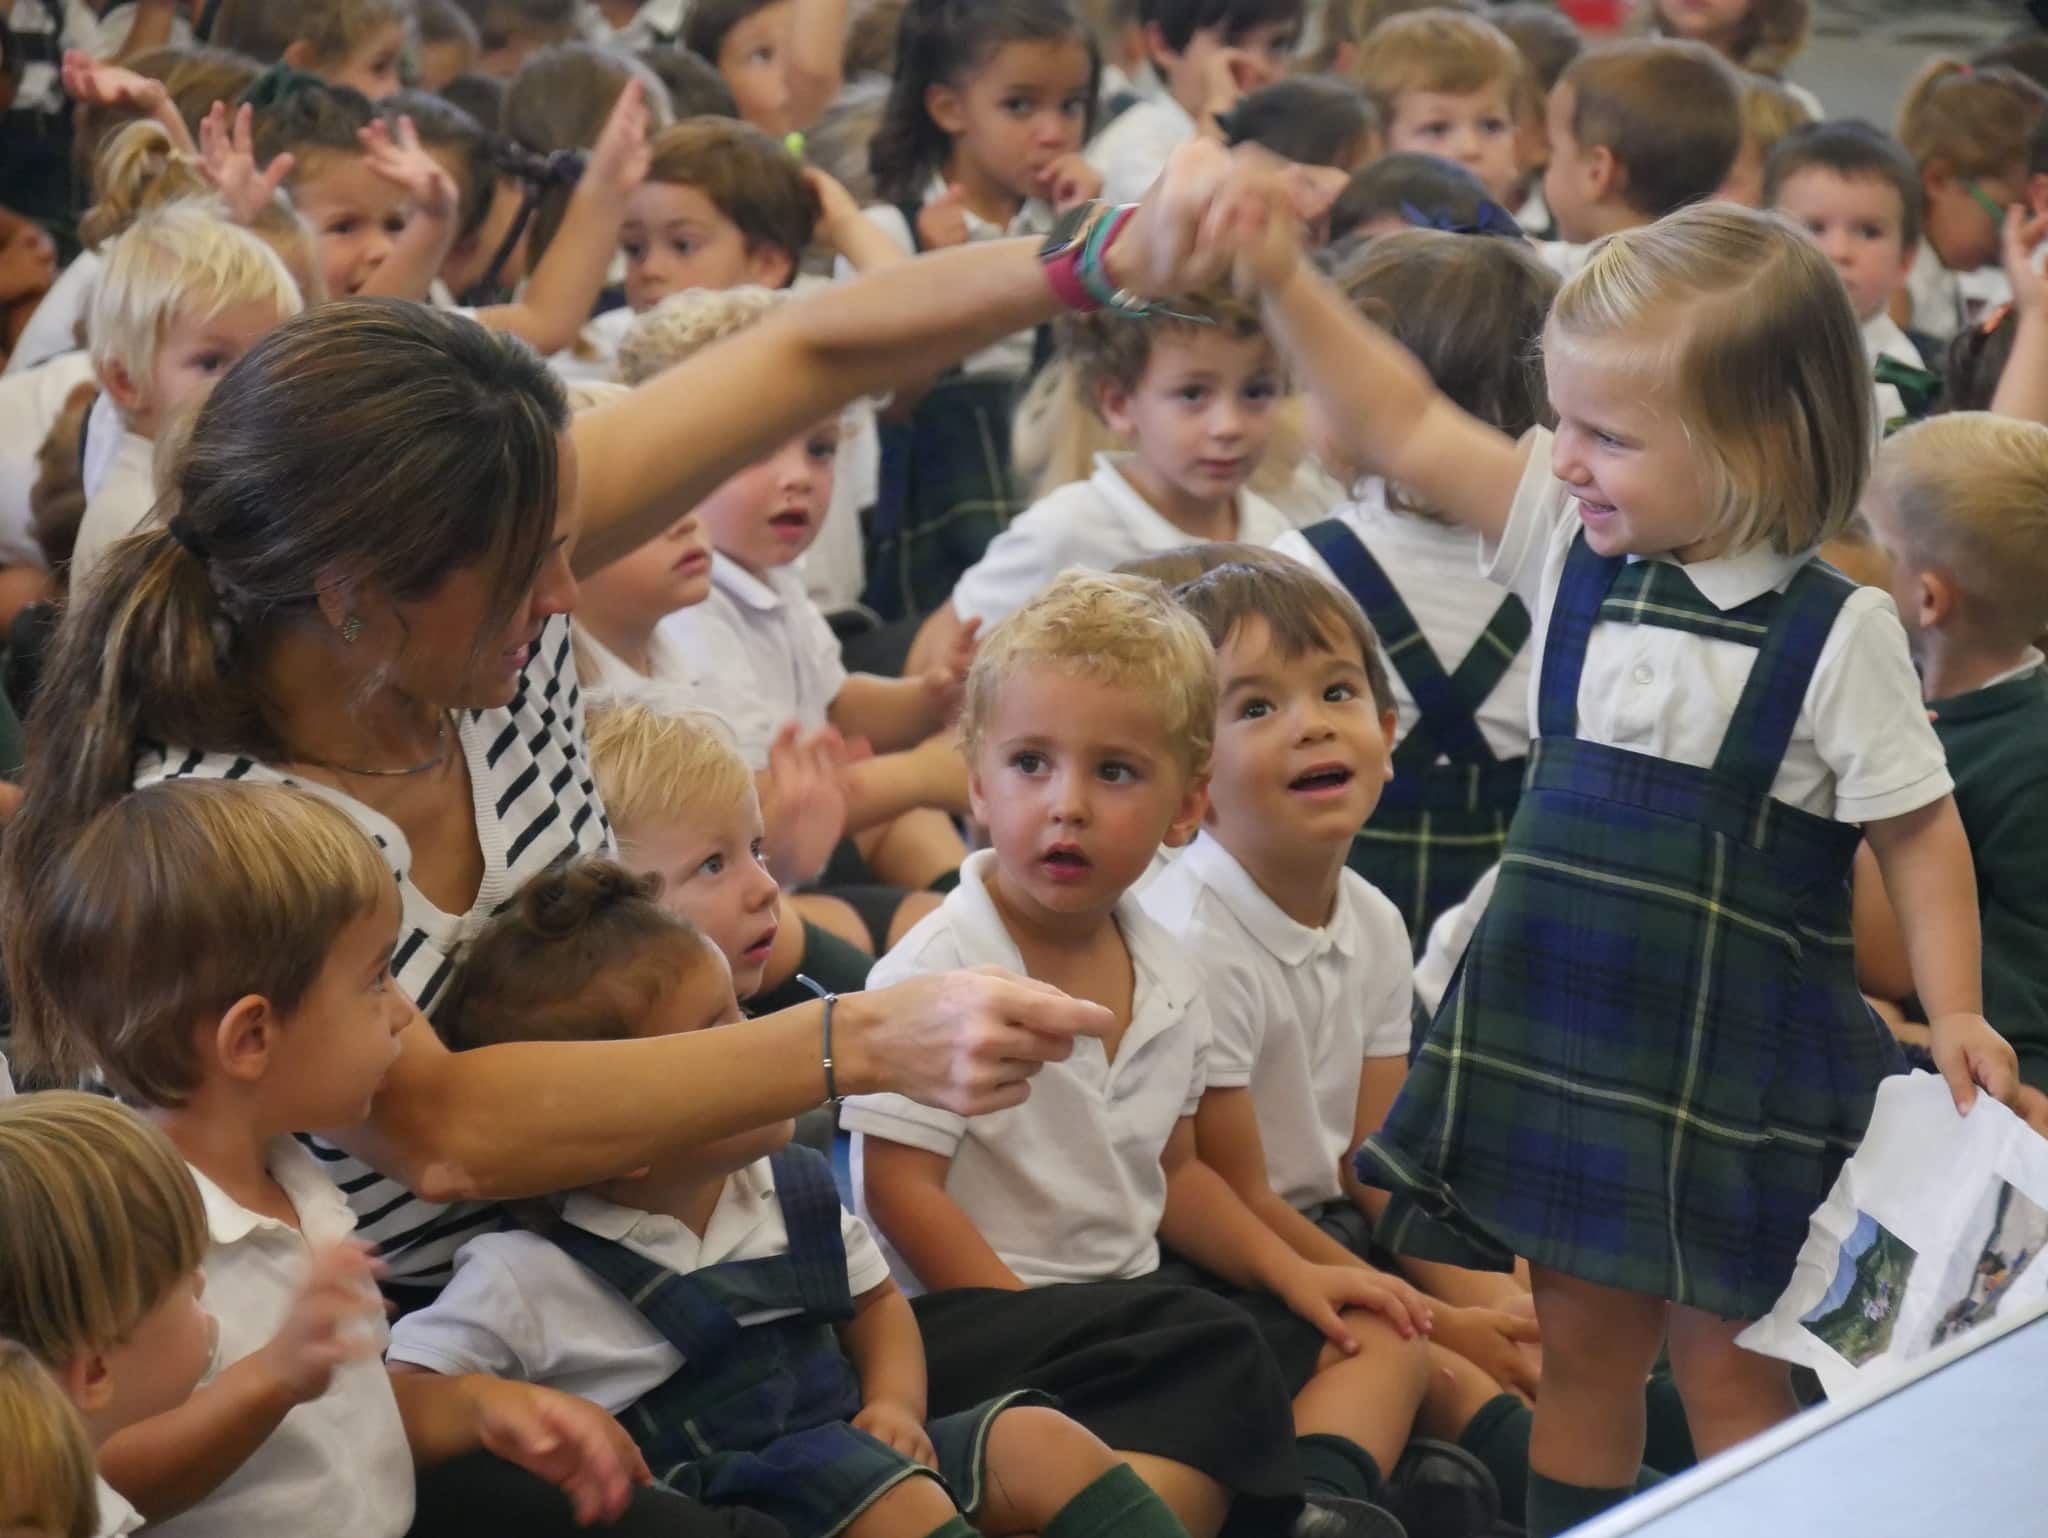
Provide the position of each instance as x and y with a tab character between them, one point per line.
1971	1054
1320	1294
900	1427
567	1441
1501	1344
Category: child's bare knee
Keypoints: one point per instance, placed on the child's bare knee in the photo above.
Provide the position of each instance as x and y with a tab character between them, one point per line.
914	1505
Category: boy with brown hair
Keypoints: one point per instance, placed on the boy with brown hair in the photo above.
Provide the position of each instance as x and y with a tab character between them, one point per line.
1637	129
1447	83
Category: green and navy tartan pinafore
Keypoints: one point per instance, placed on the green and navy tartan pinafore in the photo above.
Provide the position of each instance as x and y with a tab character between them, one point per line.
758	1416
1654	1059
1440	825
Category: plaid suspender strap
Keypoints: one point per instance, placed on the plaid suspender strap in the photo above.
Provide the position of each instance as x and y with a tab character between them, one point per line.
1765	716
810	1211
1447	704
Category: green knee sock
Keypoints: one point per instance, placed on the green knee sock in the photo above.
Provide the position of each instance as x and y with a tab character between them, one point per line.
955	1526
1334	1465
1555	1507
1118	1504
1498	1436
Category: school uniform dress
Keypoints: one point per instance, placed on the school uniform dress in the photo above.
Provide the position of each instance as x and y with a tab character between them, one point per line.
717	1354
1298	1012
337	1465
1068	1189
1996	738
1096	524
1457	656
1655	1058
944	486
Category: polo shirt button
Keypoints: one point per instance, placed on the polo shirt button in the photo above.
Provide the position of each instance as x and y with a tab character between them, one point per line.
1643	674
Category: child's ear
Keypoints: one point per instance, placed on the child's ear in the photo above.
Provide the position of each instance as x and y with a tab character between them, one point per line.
245	1037
1345	61
1606	176
1156	51
770	266
1935	593
1388	722
1194	803
121	389
1937	175
1113	401
87	1382
943	104
977	802
299	55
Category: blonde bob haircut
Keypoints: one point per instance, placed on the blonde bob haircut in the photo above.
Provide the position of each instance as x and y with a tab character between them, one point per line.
174	902
178	262
686	323
654	769
1746	329
1967	494
1125	632
102	1221
48	1486
1436	50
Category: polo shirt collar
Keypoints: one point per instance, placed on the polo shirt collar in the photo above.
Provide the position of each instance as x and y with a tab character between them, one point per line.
1154	529
324	1214
741	585
742	1207
1730	581
1030	217
1293	944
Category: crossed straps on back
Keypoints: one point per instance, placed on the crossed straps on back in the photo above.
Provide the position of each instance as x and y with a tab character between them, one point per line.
1448	704
1789	630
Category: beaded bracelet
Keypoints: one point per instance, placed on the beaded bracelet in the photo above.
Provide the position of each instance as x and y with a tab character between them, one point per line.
832	1095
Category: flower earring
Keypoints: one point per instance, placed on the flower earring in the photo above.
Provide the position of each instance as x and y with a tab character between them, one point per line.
351	630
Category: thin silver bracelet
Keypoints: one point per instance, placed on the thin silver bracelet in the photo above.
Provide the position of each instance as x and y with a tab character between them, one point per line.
832	1095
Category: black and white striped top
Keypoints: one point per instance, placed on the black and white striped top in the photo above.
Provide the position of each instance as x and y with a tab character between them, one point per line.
536	804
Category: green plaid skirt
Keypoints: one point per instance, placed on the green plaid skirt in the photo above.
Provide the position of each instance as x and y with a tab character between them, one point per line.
1433	835
1655	1057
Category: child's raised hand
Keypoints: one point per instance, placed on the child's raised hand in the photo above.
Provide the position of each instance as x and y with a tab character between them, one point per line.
835	203
943	221
807	817
326	1327
1969	1053
567	1441
1321	1294
99	83
1069	180
946	684
1227	74
227	158
620	158
401	160
1202	211
2022	237
900	1428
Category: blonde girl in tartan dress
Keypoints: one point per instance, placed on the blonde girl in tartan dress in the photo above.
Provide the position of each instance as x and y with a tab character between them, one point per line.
1654	1058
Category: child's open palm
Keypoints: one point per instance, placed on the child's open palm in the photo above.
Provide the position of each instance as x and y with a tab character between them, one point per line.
807	815
227	158
401	160
325	1327
946	685
100	83
620	159
902	1430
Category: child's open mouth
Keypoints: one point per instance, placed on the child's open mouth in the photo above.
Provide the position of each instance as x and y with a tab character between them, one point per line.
1065	864
791	524
1323	780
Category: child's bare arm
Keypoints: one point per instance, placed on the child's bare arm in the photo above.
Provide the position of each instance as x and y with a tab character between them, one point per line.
1227	1140
567	280
1925	858
906	1193
1882	965
816	67
171	1462
1387	413
849	232
416	255
884	787
891	713
888	1353
2023	384
1205	1221
565	1440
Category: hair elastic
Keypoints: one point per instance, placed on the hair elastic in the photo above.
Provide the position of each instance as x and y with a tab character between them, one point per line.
832	1095
181	530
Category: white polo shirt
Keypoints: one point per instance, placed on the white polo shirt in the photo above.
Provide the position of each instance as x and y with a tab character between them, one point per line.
122	502
338	1466
117	1517
521	1308
30	403
1433	566
675	685
1297	1010
1066	1187
1133	149
1862	749
1096	524
1945	301
1448	938
765	638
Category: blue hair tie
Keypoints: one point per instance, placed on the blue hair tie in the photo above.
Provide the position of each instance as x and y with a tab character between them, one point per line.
1489	218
